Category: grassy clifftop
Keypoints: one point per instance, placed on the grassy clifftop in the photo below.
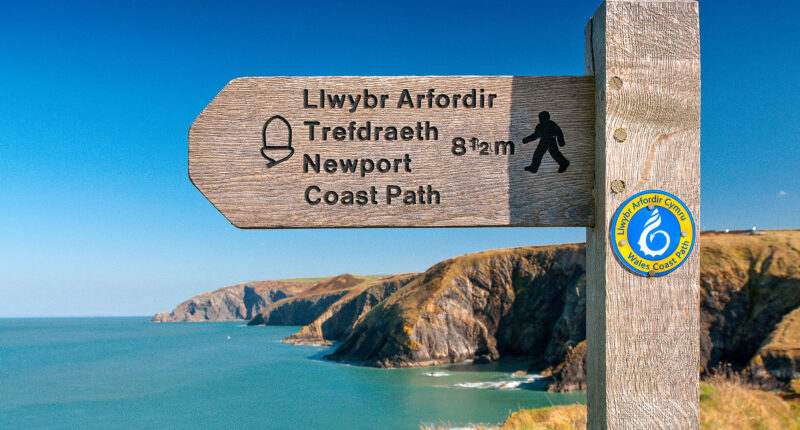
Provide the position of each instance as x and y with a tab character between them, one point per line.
750	292
724	405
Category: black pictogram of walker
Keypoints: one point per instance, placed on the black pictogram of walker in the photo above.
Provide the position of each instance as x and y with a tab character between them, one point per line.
277	153
548	133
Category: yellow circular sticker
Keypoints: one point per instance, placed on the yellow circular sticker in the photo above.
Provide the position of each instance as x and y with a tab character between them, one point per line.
653	233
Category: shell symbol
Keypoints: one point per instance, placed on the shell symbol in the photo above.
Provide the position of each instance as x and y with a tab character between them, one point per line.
652	223
276	138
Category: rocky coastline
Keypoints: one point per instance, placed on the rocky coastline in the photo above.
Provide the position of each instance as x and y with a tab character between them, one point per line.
529	302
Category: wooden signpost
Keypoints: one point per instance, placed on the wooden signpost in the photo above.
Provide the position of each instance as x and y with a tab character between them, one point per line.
416	151
616	151
642	333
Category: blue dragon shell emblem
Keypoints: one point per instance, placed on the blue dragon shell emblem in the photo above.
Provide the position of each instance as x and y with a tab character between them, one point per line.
649	235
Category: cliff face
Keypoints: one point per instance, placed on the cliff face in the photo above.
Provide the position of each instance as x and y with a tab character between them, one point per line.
527	302
339	318
306	306
480	305
570	374
295	311
531	302
779	356
233	303
750	284
749	308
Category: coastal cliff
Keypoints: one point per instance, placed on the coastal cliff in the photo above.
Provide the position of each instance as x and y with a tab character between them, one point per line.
779	355
530	302
304	307
480	306
339	318
749	309
234	303
750	290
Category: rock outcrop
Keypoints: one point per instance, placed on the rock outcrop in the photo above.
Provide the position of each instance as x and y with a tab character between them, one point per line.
750	291
570	374
338	319
306	306
234	303
778	359
531	302
477	306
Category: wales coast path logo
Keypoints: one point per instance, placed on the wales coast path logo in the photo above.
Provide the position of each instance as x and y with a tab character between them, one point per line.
652	223
276	140
653	232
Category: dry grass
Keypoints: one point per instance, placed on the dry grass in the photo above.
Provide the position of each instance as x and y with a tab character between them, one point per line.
726	403
452	427
785	339
553	418
567	417
320	279
794	386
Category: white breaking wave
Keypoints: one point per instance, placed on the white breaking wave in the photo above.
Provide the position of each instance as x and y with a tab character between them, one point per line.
436	374
509	384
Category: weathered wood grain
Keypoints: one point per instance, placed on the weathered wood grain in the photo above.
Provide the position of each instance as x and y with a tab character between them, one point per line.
642	333
226	165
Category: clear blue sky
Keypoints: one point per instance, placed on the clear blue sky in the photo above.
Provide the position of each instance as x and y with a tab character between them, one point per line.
99	216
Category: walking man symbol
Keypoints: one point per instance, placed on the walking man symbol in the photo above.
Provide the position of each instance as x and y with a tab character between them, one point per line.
548	133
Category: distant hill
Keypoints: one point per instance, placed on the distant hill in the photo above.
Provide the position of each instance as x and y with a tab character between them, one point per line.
234	303
243	302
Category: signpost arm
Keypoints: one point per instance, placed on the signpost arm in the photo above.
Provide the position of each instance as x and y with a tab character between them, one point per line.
642	332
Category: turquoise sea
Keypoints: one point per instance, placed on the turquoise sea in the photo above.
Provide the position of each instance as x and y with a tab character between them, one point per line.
128	373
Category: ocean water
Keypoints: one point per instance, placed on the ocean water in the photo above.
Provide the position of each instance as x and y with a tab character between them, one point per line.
128	373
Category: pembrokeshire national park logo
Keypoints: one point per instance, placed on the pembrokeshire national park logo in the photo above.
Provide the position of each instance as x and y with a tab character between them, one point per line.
653	232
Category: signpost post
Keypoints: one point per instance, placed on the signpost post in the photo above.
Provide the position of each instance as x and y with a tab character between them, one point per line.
616	151
642	331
